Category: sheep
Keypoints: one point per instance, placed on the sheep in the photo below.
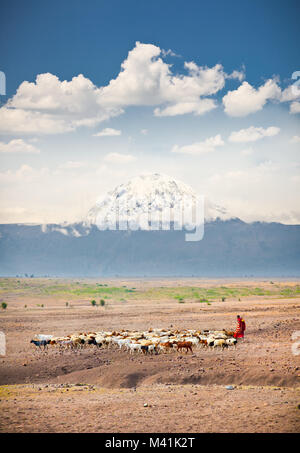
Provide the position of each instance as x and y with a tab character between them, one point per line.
146	342
135	347
220	342
231	342
42	337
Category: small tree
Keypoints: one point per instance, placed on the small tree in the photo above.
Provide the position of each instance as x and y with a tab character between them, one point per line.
4	305
223	299
102	302
67	304
94	303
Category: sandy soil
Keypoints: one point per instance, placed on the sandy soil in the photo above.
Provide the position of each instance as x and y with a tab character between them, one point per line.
105	390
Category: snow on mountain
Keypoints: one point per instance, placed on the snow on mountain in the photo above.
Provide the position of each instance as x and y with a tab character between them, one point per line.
149	196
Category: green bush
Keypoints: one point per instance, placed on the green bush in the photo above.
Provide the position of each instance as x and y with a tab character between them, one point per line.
102	302
223	299
4	305
94	303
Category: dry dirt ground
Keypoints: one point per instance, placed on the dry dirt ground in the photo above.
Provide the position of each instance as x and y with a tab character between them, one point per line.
105	390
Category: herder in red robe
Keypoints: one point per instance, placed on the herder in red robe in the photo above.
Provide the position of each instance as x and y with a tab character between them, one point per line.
240	328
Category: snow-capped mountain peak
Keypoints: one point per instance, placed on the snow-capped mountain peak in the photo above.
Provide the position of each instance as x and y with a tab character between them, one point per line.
154	196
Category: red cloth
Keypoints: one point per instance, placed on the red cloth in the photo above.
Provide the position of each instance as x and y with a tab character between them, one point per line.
240	328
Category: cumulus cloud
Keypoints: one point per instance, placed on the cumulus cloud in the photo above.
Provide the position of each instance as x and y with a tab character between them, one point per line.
18	121
252	134
291	93
51	106
18	146
246	99
117	158
145	79
206	146
108	132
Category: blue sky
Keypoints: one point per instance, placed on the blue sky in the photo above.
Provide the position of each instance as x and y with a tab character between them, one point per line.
94	36
48	145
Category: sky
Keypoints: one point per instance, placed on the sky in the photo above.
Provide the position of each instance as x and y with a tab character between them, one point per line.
99	91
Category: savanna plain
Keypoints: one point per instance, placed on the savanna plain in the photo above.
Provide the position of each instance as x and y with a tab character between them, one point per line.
107	389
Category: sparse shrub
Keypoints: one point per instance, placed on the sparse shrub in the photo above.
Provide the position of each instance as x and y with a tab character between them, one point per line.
102	302
94	303
223	299
25	306
42	305
181	300
208	303
4	305
67	304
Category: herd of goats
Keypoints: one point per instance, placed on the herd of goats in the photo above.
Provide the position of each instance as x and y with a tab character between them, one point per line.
152	341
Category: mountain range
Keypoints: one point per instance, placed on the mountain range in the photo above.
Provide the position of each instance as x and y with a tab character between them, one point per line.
230	247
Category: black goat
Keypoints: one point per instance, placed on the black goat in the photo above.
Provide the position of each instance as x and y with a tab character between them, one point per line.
40	343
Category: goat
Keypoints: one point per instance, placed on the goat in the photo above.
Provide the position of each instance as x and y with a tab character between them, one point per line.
40	343
187	345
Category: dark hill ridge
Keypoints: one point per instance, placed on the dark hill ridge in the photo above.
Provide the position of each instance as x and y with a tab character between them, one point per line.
229	248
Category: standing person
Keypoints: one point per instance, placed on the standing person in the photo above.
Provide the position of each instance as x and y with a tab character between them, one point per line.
240	328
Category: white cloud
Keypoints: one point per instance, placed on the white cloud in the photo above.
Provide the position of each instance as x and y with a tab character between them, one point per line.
170	52
144	131
24	174
108	132
145	79
239	75
206	146
295	139
246	99
117	158
18	146
182	108
18	121
252	134
291	93
295	107
51	106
